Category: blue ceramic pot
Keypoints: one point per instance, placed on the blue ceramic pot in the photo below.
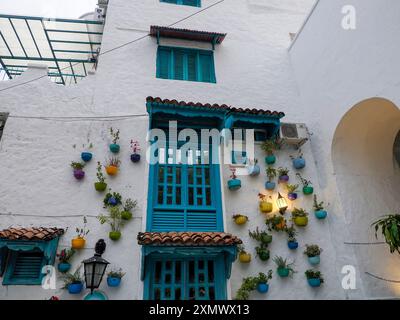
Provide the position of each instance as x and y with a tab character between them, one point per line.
292	196
293	245
314	260
321	214
254	170
299	163
113	281
86	156
314	282
112	201
284	178
270	185
64	267
234	184
270	159
135	157
114	148
263	287
75	288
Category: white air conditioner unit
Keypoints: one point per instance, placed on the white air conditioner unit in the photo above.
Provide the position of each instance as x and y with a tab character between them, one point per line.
99	14
293	134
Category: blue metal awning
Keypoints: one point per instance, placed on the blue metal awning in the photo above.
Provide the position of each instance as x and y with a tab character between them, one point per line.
68	47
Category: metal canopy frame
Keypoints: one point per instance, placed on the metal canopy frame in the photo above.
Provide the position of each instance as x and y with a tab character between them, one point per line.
68	47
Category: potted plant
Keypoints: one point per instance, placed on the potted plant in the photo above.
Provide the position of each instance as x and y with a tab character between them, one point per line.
63	257
135	156
244	257
265	205
263	252
390	228
277	223
262	281
113	166
114	219
271	174
314	278
319	211
128	206
307	185
112	199
86	155
292	241
234	183
291	189
253	168
114	277
73	282
79	174
298	161
300	217
263	237
79	241
269	146
101	184
284	268
313	253
114	146
240	219
283	175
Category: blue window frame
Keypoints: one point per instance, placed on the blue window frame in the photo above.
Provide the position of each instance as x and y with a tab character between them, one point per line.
193	3
185	278
185	64
184	197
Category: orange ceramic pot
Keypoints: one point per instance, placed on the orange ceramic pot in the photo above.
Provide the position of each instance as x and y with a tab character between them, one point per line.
78	243
112	170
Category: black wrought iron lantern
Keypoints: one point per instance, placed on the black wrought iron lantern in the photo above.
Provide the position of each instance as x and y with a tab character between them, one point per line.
95	267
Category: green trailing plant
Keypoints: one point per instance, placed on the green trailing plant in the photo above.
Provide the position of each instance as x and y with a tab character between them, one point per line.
114	135
113	218
312	250
65	255
299	213
263	252
277	223
314	274
292	233
129	205
318	205
264	278
82	232
271	173
291	188
100	176
303	181
249	284
269	146
77	165
282	263
117	196
263	237
116	273
390	229
72	278
283	171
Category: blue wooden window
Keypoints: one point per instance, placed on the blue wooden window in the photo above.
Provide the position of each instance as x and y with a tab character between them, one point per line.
191	278
24	268
184	197
185	64
193	3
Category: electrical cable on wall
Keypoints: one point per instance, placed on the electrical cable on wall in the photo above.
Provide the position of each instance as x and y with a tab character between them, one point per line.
380	278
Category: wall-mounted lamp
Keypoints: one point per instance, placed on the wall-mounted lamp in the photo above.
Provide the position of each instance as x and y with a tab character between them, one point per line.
282	204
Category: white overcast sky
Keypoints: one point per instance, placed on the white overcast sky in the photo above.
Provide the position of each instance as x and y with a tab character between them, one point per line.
72	9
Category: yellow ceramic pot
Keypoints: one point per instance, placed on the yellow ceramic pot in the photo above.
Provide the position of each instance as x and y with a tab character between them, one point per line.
240	220
300	221
244	257
266	206
112	170
78	243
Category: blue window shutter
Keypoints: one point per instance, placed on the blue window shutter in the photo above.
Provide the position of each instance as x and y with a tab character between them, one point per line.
207	72
24	268
178	65
193	3
163	63
192	66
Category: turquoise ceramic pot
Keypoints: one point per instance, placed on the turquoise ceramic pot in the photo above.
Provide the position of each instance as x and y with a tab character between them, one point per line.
299	163
234	184
321	214
86	156
314	260
113	281
114	148
270	185
270	159
314	282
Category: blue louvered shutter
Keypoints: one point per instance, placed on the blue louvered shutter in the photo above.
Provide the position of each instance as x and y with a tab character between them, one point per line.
25	268
207	68
192	66
194	3
163	63
178	64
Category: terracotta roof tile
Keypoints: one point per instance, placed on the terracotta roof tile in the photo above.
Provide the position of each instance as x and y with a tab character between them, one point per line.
215	106
187	34
187	238
31	233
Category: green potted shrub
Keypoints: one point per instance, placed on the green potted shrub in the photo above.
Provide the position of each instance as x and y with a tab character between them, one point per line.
291	189
114	219
271	174
313	253
390	228
240	219
292	241
101	184
314	278
319	211
300	217
269	146
284	268
263	237
114	277
262	281
307	185
128	206
265	205
112	199
73	282
250	284
64	257
234	183
114	146
277	223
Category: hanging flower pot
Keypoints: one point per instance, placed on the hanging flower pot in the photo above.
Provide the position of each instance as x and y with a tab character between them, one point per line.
263	287
265	206
277	223
113	281
270	159
135	157
263	253
307	190
75	288
262	281
300	217
321	214
283	272
79	174
283	175
314	278
299	163
112	199
240	219
234	184
100	186
293	245
319	211
314	260
292	196
64	267
244	257
112	170
313	252
129	205
270	185
314	282
115	235
114	148
253	170
78	243
126	215
271	174
86	156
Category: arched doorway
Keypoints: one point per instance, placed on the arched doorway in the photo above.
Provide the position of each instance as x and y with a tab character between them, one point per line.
364	152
